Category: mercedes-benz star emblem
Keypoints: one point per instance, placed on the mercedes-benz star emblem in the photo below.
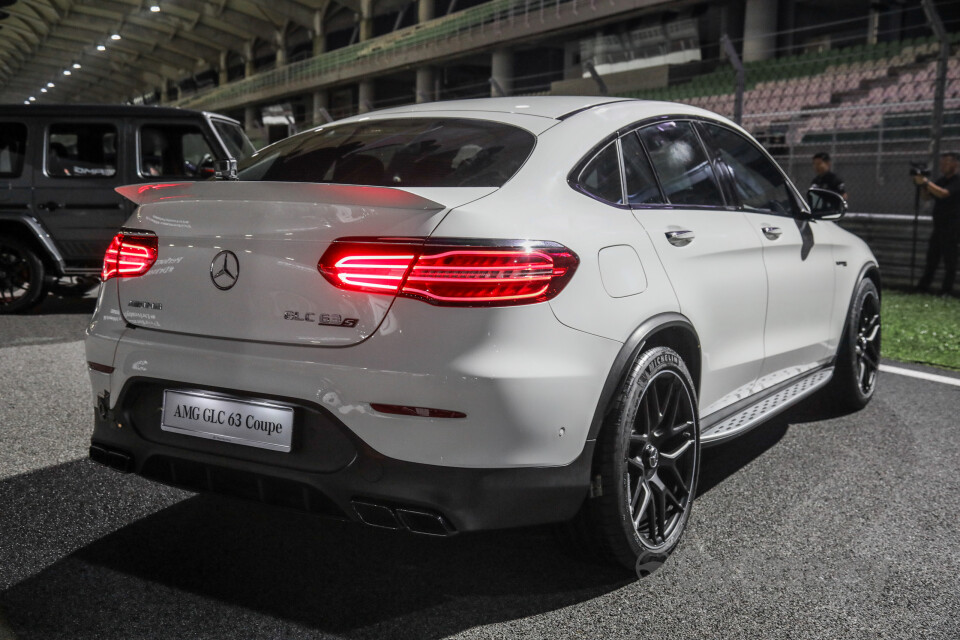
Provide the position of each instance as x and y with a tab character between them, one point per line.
224	270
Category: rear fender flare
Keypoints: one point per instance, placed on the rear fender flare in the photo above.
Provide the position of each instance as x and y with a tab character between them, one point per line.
631	349
31	229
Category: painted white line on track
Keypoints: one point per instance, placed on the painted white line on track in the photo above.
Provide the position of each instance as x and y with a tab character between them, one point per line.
910	373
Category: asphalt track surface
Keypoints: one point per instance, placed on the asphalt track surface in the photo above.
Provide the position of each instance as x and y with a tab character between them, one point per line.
812	526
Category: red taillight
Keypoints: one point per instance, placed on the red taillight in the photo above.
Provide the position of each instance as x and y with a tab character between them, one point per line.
129	255
443	273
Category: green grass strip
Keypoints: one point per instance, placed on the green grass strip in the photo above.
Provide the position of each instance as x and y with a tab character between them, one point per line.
921	328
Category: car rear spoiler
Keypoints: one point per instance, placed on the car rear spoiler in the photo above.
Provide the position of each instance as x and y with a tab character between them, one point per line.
301	192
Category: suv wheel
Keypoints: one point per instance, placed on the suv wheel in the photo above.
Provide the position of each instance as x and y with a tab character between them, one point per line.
21	276
858	357
648	460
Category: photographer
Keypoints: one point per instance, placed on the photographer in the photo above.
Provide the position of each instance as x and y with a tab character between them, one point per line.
825	178
945	192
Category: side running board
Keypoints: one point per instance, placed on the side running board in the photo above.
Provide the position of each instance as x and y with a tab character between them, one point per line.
775	400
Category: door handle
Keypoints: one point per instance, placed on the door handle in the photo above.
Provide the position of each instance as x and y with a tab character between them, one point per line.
772	233
49	206
680	238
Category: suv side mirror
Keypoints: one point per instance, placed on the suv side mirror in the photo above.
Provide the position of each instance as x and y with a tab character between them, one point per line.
225	169
826	204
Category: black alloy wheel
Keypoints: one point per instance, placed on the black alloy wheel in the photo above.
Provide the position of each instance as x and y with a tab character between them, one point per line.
867	347
21	276
858	356
646	465
661	460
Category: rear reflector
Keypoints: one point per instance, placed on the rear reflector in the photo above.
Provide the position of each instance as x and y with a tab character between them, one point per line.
451	272
420	412
102	368
129	255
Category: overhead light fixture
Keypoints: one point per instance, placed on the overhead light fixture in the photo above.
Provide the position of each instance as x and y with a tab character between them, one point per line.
66	72
32	99
100	47
155	8
76	65
115	36
43	90
50	85
26	102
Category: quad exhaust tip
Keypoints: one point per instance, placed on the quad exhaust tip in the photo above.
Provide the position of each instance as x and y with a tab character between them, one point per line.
113	458
414	520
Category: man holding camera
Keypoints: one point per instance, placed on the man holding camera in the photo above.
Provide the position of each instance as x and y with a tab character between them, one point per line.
945	192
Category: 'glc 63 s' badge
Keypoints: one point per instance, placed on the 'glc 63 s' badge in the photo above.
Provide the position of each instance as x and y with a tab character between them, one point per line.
326	319
225	270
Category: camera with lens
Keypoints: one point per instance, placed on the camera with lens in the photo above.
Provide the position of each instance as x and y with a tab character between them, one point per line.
919	169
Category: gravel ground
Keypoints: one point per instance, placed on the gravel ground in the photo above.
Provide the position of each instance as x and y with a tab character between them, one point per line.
812	526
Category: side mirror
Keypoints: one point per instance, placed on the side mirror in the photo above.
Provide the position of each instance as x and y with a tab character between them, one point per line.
826	204
225	169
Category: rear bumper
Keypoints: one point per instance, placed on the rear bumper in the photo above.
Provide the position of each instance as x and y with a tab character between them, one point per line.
331	472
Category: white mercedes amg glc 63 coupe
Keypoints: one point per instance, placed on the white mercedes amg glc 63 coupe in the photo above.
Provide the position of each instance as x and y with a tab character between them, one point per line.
477	314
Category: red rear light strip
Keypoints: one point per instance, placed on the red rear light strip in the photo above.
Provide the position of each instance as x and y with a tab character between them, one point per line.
129	255
464	275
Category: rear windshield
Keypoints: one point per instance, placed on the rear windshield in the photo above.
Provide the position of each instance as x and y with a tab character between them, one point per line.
407	152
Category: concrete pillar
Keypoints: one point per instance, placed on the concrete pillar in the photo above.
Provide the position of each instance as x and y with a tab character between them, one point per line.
873	26
501	70
224	71
366	19
320	103
249	119
248	68
281	40
319	38
759	30
425	82
425	10
366	97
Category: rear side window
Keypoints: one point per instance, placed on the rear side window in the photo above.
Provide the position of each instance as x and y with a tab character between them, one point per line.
685	173
601	176
641	182
86	150
407	152
13	145
760	185
175	151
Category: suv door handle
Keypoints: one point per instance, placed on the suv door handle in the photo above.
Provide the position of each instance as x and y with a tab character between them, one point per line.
772	233
49	206
680	238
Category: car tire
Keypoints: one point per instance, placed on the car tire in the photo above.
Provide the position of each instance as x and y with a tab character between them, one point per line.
21	277
647	461
858	356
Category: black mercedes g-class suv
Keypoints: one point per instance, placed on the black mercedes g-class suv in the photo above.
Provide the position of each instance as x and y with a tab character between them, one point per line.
59	165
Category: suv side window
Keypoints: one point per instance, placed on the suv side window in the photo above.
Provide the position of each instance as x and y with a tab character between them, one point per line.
642	187
601	177
13	144
686	174
758	182
87	150
174	151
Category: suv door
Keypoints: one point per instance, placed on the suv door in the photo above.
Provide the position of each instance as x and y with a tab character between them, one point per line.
14	168
800	268
83	161
711	255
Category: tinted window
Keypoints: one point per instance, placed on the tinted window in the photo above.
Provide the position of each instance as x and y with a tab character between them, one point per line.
678	157
13	143
759	184
409	152
601	177
234	138
85	150
175	150
641	183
